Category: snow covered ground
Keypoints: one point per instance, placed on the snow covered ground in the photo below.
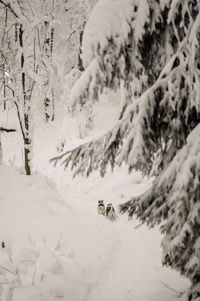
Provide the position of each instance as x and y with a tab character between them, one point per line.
54	246
59	248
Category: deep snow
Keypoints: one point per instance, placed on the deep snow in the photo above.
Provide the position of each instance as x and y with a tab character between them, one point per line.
56	246
59	248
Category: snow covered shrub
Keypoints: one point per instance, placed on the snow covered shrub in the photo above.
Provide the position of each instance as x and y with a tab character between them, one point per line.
31	264
153	47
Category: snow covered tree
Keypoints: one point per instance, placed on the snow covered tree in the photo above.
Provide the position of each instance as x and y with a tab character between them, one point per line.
153	47
39	42
14	58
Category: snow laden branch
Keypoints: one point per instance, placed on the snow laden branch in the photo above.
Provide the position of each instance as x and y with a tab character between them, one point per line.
143	139
109	48
158	44
174	201
96	155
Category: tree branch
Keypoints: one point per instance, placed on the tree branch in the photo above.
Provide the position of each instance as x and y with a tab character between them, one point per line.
19	118
7	270
7	5
70	35
7	130
179	293
17	109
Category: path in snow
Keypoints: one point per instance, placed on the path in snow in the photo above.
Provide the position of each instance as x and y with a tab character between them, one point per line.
61	249
133	271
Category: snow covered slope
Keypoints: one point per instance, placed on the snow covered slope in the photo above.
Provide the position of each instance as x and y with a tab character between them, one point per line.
53	245
57	247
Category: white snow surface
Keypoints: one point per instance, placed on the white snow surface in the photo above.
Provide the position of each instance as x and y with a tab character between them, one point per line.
57	247
54	245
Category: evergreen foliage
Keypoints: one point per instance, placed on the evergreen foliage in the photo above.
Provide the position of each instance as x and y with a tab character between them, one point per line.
154	47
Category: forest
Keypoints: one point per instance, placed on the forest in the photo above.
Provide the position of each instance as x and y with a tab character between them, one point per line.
99	100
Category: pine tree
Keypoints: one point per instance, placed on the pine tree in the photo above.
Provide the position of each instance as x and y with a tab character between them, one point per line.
154	47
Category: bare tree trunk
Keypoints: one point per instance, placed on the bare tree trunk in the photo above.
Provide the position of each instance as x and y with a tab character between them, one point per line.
4	77
27	146
49	106
80	62
46	108
52	94
4	87
26	136
4	82
53	106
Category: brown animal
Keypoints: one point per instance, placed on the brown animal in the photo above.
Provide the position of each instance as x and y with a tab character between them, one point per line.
101	207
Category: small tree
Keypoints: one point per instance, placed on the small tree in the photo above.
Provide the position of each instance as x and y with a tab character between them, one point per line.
153	46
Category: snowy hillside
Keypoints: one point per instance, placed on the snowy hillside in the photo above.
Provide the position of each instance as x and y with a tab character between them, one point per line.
55	248
94	89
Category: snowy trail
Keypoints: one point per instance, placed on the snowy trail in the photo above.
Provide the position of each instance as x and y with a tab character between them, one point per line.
94	292
131	275
61	249
133	270
103	291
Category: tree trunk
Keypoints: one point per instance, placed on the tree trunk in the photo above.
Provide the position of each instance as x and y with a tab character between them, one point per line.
80	62
27	145
49	105
26	99
46	108
4	81
4	87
